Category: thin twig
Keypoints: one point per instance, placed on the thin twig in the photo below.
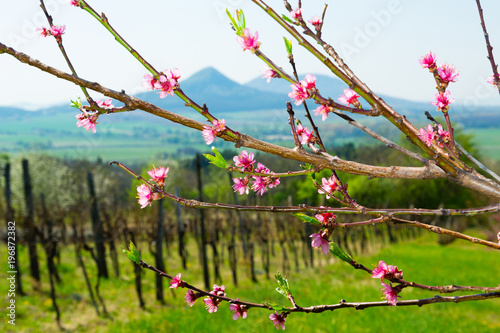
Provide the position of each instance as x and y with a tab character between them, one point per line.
494	66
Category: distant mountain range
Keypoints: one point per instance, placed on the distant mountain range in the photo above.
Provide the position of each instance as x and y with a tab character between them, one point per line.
224	95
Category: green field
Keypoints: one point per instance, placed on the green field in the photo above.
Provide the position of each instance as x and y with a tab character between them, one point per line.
421	260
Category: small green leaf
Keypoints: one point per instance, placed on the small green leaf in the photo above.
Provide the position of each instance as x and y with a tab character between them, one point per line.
339	253
240	25
76	103
286	18
307	166
307	219
284	288
232	19
274	306
217	159
288	45
132	253
241	18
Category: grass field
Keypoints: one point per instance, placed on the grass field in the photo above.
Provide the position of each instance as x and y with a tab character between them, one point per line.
421	260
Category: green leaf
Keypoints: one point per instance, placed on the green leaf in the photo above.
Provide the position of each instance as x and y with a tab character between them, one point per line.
240	25
241	18
307	219
132	253
76	103
217	159
284	288
339	253
232	19
288	45
274	306
307	166
286	18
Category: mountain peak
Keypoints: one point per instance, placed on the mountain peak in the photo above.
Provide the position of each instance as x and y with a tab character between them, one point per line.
207	75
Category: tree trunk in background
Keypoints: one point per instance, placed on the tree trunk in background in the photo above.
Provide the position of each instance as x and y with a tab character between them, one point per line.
203	234
31	235
78	252
180	232
9	216
97	229
110	240
138	275
233	261
308	231
50	245
159	252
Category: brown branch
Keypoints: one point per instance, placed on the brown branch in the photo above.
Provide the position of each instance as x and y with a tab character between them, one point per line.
442	231
415	302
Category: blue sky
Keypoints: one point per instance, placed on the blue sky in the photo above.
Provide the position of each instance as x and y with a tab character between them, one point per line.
380	40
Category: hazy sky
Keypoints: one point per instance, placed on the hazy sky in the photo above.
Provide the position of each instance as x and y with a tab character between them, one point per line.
380	40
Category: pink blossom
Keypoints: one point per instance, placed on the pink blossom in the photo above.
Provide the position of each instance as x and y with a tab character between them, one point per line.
323	110
278	320
304	134
44	32
75	3
447	73
241	185
86	121
442	102
57	30
209	133
303	90
218	290
380	271
144	194
328	187
300	129
296	14
325	218
349	97
445	135
211	304
159	174
249	41
105	104
427	136
269	73
261	183
173	74
176	281
383	271
316	21
149	82
165	85
498	236
244	161
299	93
309	82
319	240
428	61
490	80
390	293
191	297
239	310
